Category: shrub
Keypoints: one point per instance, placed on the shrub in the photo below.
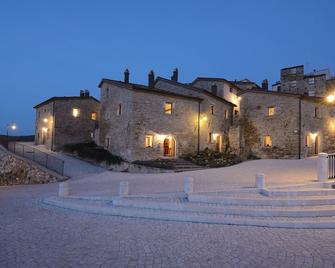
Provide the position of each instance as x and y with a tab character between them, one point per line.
93	152
210	158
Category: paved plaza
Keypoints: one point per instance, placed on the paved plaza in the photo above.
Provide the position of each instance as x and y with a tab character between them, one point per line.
35	235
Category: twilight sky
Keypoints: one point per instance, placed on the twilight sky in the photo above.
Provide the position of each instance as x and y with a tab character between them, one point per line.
55	48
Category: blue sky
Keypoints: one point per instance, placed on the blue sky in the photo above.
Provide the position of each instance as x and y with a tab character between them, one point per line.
56	48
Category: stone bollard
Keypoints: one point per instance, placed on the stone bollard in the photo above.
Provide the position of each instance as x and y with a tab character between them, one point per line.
188	185
124	188
322	167
64	189
260	181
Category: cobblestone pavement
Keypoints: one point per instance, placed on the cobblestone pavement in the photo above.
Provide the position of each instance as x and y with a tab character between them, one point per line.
32	235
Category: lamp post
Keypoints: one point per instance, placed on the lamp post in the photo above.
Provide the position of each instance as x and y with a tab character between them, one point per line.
9	127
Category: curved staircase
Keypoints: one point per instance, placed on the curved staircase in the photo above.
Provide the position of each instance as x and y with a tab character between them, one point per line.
285	208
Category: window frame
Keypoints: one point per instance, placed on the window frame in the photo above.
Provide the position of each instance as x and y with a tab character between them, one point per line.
168	111
265	141
94	116
149	141
76	112
226	114
119	109
212	109
271	111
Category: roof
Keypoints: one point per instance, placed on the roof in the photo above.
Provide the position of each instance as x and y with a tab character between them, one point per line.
64	98
200	90
285	94
314	75
145	89
297	66
215	79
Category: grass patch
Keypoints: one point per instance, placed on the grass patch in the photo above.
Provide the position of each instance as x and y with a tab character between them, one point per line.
210	158
92	152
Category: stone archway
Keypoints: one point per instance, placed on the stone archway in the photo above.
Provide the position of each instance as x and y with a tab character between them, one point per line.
169	147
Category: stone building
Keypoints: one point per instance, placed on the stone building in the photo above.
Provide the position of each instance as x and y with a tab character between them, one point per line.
165	119
294	80
287	125
65	120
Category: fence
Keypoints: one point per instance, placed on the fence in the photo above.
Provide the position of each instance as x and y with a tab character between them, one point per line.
331	166
49	161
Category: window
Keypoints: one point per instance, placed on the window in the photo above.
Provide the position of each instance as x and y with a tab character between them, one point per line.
311	81
75	112
107	92
119	109
268	141
94	116
271	111
308	141
316	112
231	90
168	108
107	143
210	137
236	112
293	70
212	109
226	114
293	83
148	141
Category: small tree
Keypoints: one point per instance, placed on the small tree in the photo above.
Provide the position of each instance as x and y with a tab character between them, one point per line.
250	135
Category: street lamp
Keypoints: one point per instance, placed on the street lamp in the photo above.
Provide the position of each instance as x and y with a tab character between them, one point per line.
10	127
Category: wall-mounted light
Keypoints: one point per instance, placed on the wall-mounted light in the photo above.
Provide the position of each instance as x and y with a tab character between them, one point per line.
44	129
330	98
45	120
313	136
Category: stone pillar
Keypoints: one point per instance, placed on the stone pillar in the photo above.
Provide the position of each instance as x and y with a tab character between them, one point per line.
260	181
64	189
322	167
188	185
124	188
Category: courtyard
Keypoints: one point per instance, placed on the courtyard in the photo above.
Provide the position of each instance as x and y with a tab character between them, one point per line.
35	235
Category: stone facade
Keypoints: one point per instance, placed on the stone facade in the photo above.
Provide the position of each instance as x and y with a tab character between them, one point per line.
57	125
198	120
299	126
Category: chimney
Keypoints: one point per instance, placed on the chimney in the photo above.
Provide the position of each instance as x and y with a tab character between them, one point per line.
82	93
86	93
214	89
126	76
174	76
265	84
151	79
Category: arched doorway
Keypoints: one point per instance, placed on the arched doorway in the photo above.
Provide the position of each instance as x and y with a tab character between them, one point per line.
169	147
218	143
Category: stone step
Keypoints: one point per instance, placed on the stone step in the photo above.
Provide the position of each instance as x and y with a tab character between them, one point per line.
252	211
303	192
195	217
263	201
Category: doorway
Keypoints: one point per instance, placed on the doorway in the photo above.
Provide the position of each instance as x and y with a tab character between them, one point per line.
218	143
43	136
169	147
317	145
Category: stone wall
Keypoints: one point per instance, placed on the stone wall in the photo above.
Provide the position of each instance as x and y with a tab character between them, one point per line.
55	122
14	170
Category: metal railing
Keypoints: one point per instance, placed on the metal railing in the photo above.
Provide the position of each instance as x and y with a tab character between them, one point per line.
331	166
44	159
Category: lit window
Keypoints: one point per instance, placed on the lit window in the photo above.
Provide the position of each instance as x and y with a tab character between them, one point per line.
148	141
308	141
212	109
311	81
75	112
267	141
271	111
94	116
226	114
168	108
119	109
